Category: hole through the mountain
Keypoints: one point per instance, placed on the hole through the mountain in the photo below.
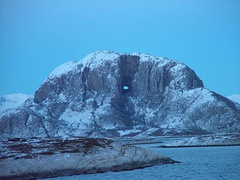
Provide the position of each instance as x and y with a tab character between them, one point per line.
125	89
128	68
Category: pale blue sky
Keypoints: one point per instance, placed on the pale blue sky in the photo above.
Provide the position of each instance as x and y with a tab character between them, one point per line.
36	36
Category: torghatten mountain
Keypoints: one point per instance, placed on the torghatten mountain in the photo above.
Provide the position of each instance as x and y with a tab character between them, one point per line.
110	94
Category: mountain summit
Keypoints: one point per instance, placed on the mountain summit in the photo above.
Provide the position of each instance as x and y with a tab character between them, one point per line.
111	94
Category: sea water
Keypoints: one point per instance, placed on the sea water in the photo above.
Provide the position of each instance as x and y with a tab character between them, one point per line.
196	163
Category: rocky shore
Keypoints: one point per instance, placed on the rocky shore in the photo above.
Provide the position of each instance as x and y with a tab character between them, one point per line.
41	158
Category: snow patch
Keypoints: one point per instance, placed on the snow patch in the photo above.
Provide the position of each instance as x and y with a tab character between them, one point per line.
202	94
76	119
127	132
12	100
62	97
162	61
178	67
94	60
63	69
147	57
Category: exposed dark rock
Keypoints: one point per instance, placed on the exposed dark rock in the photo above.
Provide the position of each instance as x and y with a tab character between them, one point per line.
110	94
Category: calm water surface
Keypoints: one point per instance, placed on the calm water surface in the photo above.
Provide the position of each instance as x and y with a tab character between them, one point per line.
196	163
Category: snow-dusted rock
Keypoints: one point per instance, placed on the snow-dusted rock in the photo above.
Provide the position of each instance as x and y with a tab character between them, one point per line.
12	101
206	140
40	158
111	94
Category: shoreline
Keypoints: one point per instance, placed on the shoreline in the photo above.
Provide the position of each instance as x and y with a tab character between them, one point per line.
189	146
46	158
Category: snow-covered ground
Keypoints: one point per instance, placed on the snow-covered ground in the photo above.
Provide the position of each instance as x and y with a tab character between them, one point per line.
12	100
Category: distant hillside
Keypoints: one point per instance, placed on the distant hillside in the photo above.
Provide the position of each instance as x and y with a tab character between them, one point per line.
12	100
235	98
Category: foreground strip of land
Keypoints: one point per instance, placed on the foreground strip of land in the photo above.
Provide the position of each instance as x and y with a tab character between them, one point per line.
42	158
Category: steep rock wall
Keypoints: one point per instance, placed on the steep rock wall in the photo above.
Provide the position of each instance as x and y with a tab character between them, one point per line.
112	94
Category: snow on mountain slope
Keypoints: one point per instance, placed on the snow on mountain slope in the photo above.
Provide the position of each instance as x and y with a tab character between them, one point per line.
63	69
12	100
235	98
110	94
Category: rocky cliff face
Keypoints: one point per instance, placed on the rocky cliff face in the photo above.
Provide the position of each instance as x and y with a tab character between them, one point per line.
112	94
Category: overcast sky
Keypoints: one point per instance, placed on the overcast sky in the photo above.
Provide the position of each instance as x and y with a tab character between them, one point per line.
36	36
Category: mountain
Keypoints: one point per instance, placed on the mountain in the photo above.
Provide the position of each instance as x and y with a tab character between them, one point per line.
109	94
12	101
235	98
